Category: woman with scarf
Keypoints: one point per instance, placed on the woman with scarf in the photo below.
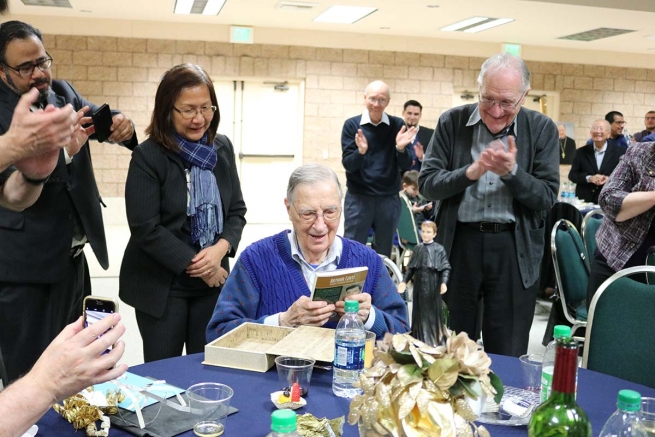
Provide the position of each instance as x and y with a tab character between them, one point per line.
186	214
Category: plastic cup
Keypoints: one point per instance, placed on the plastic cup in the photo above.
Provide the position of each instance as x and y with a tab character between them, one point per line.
291	370
209	403
531	368
369	346
647	415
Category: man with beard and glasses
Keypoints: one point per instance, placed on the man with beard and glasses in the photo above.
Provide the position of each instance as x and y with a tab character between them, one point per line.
43	272
412	112
494	167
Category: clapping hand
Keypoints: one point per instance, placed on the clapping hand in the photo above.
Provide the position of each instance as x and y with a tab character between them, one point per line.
404	137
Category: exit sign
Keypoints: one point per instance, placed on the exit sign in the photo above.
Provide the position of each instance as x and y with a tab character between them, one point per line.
512	49
241	35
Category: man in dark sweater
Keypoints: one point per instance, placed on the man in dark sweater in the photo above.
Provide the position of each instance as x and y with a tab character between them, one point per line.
374	154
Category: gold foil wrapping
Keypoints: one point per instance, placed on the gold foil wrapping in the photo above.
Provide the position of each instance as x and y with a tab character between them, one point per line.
77	410
415	390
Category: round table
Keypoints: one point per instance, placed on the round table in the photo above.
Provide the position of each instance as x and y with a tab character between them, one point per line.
596	394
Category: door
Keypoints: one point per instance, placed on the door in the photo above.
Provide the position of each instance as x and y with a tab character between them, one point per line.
264	121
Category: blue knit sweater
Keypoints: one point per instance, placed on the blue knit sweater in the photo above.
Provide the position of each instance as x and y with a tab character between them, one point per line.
266	280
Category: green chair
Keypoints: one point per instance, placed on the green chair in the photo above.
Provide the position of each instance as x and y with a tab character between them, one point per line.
571	272
620	338
407	233
590	224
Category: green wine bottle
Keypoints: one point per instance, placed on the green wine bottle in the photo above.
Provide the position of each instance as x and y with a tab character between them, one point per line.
560	415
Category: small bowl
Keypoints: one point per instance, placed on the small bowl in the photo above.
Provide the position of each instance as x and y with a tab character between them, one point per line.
286	405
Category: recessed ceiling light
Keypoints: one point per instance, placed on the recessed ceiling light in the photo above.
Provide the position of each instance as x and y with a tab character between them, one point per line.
489	25
85	11
650	36
464	23
385	28
344	14
433	6
213	7
183	6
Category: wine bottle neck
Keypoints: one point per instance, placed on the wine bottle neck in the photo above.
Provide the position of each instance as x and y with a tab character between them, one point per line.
566	366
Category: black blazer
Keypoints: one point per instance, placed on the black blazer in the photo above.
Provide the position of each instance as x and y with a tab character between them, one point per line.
36	243
156	202
584	164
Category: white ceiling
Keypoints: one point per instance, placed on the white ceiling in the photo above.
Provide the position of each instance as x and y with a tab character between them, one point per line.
538	23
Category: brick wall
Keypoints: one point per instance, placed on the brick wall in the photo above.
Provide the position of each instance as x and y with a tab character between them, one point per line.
125	72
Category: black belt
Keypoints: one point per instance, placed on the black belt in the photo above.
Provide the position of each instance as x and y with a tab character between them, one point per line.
489	227
77	250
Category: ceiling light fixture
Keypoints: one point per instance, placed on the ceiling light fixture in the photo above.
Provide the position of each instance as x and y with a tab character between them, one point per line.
465	23
183	6
344	14
213	7
489	25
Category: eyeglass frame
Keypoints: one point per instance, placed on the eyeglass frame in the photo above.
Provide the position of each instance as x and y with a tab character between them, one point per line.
196	111
316	215
383	101
505	106
32	66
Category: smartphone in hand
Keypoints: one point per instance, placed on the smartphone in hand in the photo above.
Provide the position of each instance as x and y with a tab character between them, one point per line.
102	122
97	308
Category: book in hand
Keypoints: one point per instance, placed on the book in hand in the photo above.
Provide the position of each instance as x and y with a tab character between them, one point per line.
336	285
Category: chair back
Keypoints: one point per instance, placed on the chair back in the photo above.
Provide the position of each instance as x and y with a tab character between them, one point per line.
590	224
571	268
620	338
568	212
407	233
650	261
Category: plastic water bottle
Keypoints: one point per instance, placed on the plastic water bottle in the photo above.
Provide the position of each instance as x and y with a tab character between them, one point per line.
349	340
625	421
283	423
563	192
548	364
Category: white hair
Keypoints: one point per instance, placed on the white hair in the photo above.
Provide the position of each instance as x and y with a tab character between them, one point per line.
504	61
310	174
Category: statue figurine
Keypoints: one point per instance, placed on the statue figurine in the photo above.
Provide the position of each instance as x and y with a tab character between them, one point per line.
429	268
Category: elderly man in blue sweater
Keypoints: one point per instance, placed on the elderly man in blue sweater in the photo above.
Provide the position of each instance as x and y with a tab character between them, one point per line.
270	281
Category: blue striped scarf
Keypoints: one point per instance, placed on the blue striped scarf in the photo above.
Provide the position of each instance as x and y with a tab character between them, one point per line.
204	202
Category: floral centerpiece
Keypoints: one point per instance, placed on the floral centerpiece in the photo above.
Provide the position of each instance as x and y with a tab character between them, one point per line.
415	390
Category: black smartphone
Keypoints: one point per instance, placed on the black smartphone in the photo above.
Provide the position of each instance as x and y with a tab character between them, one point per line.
102	121
97	308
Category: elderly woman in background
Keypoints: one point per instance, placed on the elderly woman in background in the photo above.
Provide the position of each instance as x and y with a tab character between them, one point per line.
270	281
628	229
186	215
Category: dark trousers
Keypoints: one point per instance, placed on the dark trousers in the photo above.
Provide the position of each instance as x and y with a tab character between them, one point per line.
485	266
184	322
361	213
32	315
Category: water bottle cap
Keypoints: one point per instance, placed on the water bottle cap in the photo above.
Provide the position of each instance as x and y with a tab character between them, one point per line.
561	331
283	421
352	306
628	400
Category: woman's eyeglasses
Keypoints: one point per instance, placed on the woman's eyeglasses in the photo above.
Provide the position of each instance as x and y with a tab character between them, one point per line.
192	112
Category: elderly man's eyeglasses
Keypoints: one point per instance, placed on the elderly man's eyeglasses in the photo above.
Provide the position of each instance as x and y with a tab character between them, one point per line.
190	113
381	101
26	70
505	105
310	216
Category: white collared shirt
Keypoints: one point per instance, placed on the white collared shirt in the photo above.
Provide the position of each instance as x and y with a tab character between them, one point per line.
330	263
366	119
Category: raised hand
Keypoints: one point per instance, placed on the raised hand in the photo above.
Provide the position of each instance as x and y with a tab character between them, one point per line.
418	150
495	159
361	142
81	134
404	137
121	128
